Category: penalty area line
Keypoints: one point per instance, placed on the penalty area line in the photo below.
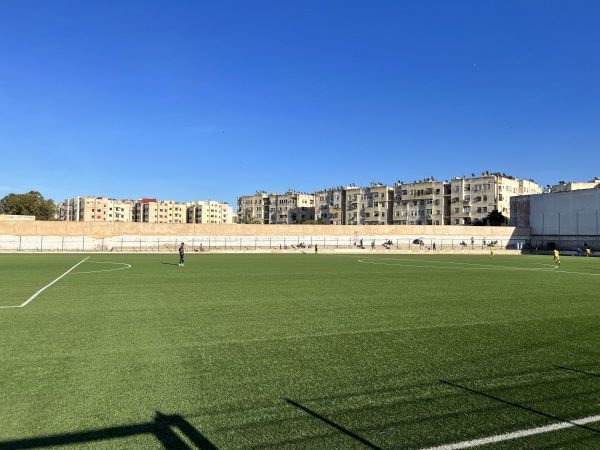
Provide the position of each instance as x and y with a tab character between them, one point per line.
516	434
45	287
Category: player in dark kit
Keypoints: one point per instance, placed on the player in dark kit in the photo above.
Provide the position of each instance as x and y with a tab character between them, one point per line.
181	254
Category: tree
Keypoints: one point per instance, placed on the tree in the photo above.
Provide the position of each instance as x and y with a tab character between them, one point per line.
249	220
496	218
30	204
319	221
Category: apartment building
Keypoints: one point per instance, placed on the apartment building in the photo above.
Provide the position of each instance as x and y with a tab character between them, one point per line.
253	208
378	204
291	208
354	213
575	186
331	206
369	205
473	198
95	209
209	211
164	211
424	202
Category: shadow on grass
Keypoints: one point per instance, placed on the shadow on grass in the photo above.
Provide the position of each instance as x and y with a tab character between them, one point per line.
333	424
169	264
578	371
519	406
163	428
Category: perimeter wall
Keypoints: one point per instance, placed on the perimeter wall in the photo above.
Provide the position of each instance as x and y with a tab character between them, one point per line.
563	220
151	237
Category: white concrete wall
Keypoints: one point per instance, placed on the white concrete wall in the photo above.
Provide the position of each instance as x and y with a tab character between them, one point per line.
107	236
571	213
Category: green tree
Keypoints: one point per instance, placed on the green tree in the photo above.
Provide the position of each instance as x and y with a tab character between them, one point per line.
30	204
319	221
496	218
249	220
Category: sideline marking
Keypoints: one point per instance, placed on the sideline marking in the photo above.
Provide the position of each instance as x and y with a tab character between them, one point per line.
462	265
516	434
44	288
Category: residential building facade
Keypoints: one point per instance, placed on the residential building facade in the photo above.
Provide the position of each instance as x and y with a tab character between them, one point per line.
96	209
154	211
473	198
575	186
253	208
291	208
424	202
369	205
331	206
209	211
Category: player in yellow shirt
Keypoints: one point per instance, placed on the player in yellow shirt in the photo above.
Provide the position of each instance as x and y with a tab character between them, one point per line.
492	250
556	258
587	251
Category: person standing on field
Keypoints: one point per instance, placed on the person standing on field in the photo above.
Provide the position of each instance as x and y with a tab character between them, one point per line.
181	254
556	257
492	250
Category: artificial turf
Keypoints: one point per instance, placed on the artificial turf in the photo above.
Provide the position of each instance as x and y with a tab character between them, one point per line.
297	351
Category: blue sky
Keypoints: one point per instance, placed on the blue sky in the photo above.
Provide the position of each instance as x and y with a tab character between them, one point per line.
193	100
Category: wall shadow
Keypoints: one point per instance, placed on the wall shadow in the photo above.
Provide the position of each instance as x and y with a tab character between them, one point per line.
519	406
163	427
333	424
570	369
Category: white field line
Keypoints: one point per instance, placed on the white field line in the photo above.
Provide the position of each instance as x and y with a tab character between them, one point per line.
516	434
125	266
468	266
44	288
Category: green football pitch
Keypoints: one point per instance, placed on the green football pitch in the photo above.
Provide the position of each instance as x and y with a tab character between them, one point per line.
302	351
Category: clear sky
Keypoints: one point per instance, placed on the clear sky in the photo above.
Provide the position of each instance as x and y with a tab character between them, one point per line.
195	99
